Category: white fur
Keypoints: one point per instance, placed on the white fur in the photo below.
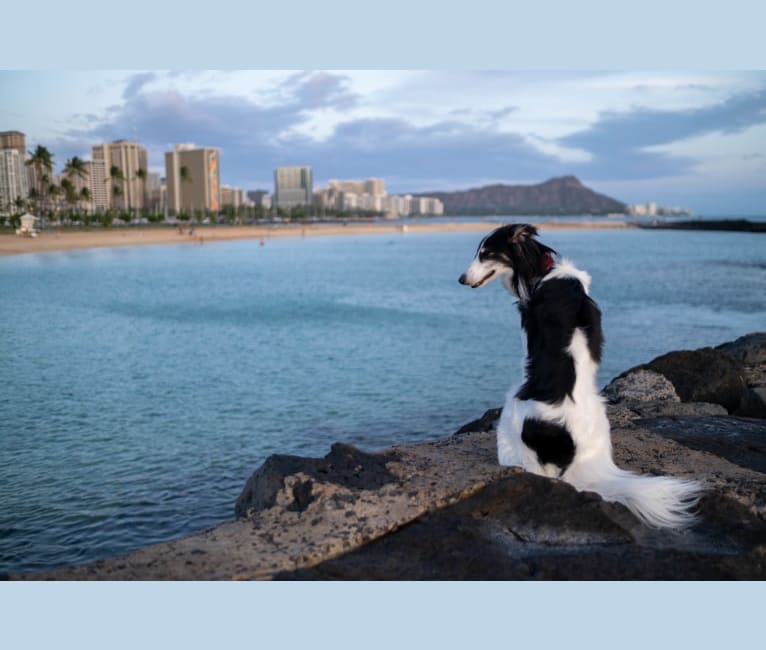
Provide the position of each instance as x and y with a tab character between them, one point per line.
476	274
658	501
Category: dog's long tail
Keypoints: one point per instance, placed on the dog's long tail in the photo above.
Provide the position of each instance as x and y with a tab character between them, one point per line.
659	501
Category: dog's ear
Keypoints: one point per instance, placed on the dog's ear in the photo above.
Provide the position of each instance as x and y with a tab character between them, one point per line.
522	232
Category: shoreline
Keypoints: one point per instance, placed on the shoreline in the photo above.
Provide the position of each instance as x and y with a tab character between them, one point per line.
51	241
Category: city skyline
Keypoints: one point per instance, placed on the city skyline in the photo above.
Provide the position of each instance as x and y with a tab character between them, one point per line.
693	139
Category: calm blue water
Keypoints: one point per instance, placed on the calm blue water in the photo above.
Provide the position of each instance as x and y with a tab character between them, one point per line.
142	386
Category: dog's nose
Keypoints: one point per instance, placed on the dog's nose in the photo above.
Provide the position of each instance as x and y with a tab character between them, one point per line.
461	279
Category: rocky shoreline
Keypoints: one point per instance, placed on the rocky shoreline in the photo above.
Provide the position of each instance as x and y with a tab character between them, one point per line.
446	510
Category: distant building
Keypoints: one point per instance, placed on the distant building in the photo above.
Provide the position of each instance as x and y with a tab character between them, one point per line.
154	192
292	186
13	179
651	209
100	190
192	176
232	196
14	140
257	196
372	186
425	206
126	190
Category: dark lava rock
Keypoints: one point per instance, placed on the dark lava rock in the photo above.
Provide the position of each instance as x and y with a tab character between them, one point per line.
704	375
749	349
345	465
753	403
487	422
741	441
527	527
655	409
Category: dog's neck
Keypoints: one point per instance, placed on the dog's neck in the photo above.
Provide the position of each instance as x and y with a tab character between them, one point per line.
523	286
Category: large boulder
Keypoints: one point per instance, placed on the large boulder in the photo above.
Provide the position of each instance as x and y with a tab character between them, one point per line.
641	386
704	375
749	349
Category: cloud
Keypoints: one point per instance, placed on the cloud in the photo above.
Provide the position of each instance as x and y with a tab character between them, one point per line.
620	142
320	90
319	119
447	149
136	83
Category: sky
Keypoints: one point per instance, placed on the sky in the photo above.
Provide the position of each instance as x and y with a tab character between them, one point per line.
687	139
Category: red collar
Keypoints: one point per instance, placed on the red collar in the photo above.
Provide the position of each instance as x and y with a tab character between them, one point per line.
547	262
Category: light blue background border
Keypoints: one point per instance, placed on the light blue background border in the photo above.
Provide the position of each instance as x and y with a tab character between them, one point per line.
545	34
364	616
587	34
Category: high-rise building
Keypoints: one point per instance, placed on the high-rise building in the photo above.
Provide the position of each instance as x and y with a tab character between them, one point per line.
125	189
100	190
292	186
13	179
13	140
193	179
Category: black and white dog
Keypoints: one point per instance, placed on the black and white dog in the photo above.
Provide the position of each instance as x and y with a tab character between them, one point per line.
555	423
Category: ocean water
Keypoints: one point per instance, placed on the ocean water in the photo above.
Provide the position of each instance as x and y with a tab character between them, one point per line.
142	386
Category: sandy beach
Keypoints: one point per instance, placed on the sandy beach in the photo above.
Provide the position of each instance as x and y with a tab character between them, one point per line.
53	240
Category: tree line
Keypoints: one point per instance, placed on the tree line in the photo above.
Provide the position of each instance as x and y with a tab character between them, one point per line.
64	204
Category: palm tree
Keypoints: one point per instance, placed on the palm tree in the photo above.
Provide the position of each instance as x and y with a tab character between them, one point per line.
55	192
116	175
185	177
85	198
141	177
41	160
75	167
71	195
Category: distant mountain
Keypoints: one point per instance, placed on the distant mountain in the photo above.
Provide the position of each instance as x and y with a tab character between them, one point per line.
563	195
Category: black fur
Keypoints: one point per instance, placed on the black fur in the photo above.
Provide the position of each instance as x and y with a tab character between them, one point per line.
554	310
514	246
551	442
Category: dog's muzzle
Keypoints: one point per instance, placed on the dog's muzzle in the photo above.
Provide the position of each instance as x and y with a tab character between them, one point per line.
463	279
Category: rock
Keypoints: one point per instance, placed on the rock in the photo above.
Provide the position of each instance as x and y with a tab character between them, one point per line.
345	466
641	386
487	422
654	409
749	349
753	403
739	440
704	375
527	527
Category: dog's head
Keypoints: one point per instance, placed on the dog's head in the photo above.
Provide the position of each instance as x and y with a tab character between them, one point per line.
512	253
